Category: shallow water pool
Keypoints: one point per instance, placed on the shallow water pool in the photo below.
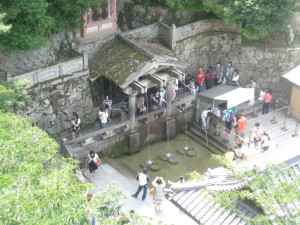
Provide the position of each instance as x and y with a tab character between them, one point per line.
200	162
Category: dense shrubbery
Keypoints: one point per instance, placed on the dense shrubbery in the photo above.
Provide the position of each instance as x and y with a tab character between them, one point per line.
33	22
259	18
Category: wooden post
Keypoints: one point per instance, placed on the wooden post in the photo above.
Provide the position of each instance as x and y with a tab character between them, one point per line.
217	132
296	131
284	124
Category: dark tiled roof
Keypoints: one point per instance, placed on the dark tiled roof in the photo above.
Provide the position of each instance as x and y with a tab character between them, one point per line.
197	202
203	209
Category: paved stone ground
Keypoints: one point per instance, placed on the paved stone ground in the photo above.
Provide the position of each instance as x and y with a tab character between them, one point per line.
170	214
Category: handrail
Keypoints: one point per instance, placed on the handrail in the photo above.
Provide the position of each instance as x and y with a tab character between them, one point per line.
98	132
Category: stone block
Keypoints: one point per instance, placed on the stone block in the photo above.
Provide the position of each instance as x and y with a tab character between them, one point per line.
267	79
259	55
276	79
134	140
170	125
253	60
249	54
44	122
55	129
268	55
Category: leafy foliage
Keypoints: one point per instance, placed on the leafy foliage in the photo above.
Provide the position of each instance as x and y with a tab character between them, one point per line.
259	18
37	185
3	28
33	22
270	193
13	94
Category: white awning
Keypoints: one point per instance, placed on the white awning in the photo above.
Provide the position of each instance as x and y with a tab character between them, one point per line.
293	76
225	93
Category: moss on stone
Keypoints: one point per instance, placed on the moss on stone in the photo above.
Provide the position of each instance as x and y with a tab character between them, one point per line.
116	61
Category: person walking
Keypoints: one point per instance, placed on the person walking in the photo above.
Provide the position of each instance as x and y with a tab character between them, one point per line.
257	134
76	122
143	179
267	102
159	184
93	161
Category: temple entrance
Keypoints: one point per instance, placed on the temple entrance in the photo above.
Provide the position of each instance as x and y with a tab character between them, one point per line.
102	87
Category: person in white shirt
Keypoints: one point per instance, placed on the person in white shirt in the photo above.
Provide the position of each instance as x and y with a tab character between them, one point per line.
257	134
265	142
143	179
103	118
235	78
205	117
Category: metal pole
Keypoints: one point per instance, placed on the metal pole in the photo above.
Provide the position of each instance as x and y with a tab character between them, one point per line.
254	114
288	113
296	131
284	124
274	117
250	138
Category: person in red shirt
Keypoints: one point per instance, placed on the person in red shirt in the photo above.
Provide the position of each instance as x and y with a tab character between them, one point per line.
200	78
240	129
267	102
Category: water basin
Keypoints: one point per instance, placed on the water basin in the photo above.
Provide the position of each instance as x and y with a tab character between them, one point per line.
163	153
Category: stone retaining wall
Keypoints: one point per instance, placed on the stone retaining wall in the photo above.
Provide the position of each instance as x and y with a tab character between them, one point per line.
58	50
133	16
52	103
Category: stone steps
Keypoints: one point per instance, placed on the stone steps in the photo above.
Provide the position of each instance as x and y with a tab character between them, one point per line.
200	137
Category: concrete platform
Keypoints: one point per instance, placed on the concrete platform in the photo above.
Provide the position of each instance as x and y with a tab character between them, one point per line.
126	181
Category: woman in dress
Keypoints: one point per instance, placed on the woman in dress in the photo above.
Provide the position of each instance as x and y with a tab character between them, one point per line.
159	184
91	161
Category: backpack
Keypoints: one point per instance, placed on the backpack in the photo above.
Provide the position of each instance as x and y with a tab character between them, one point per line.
232	117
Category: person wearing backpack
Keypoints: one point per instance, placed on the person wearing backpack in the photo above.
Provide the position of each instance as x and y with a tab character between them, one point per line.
143	179
229	118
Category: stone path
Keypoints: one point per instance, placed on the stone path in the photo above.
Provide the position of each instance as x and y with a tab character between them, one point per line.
126	181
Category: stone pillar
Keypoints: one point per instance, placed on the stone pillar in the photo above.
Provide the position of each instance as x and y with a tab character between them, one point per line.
173	36
170	127
169	98
85	60
132	113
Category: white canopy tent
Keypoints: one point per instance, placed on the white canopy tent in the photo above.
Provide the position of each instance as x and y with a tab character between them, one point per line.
293	76
233	96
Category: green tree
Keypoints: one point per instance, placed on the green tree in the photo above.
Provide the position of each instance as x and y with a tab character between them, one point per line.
3	28
259	18
33	22
37	185
13	94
